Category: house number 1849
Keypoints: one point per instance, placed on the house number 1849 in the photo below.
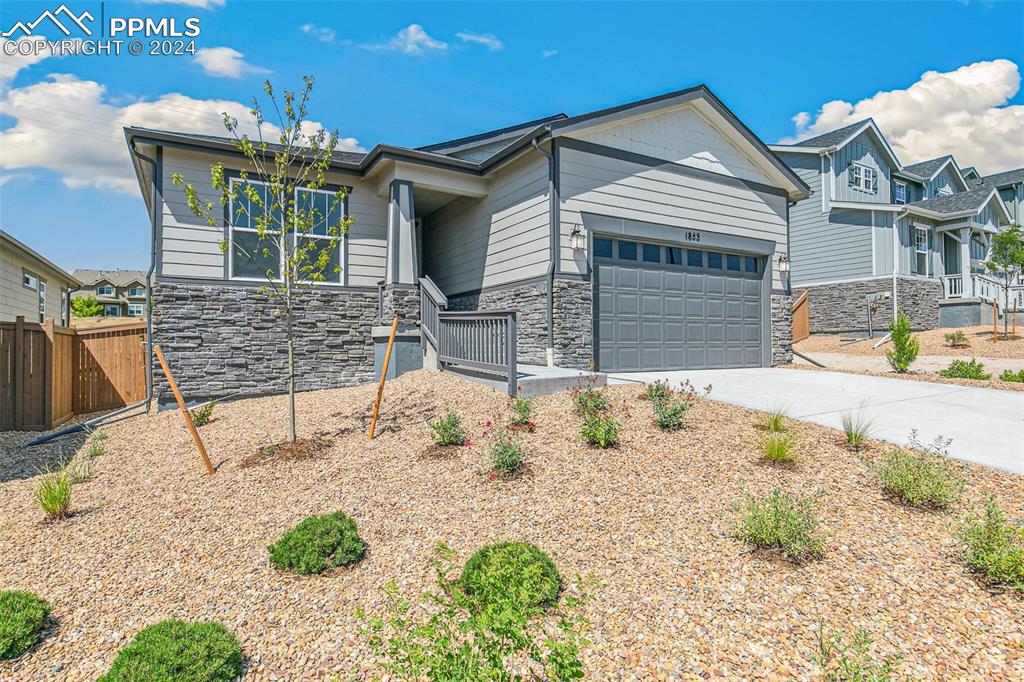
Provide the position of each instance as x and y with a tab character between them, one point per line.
693	236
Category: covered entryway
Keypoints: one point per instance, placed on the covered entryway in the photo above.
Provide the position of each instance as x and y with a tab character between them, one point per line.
664	306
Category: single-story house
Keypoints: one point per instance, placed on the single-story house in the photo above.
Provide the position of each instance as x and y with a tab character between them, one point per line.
650	235
31	286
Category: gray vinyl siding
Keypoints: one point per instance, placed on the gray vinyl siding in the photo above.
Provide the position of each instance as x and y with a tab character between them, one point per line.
883	242
907	246
190	248
17	299
836	249
864	150
622	189
1013	197
473	244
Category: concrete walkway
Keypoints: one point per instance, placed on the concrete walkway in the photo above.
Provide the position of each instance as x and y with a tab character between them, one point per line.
986	425
924	363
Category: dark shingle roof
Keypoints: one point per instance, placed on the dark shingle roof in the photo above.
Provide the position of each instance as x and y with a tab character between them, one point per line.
972	200
118	278
927	168
1009	177
338	156
833	137
482	138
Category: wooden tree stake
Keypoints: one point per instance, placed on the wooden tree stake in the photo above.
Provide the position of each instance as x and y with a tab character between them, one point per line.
995	319
383	377
184	410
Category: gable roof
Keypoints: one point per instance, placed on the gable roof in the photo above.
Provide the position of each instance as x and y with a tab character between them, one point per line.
1004	179
31	254
119	278
839	138
481	139
959	203
835	138
970	171
929	169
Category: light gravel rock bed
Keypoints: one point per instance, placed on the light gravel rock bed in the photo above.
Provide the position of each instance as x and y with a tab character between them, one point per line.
153	537
932	342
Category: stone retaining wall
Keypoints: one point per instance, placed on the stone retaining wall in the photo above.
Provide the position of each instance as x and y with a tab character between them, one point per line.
842	306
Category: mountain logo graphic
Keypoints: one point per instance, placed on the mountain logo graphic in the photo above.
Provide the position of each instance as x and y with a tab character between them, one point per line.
74	20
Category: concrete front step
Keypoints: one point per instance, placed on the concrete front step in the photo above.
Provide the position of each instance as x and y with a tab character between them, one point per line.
535	380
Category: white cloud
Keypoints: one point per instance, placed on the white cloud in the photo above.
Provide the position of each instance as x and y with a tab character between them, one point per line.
545	54
8	177
73	128
412	40
202	4
965	113
324	34
225	62
488	40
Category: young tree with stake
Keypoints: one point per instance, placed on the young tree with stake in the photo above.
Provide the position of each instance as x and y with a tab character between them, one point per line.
294	226
1006	261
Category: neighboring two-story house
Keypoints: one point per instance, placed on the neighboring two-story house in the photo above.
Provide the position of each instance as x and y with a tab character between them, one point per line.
31	286
122	292
651	235
1010	185
877	235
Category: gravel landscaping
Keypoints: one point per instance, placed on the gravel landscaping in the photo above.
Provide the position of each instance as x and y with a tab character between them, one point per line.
152	537
932	343
914	375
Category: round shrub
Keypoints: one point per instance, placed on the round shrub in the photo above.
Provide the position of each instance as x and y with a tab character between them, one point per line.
21	622
318	543
176	651
511	571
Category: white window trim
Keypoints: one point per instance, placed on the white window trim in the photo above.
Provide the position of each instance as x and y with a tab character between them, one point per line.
131	310
231	240
897	183
33	280
100	291
861	176
925	252
141	290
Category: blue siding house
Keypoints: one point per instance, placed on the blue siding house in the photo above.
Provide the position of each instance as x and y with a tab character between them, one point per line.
877	236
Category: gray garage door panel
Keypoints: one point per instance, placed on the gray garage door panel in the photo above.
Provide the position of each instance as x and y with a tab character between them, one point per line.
658	316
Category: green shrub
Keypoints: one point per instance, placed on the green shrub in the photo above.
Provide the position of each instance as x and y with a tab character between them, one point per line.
507	454
658	391
201	415
904	344
1010	375
774	420
317	544
777	448
176	651
589	400
919	480
53	493
22	615
448	430
857	426
600	430
852	662
965	369
956	339
450	637
783	522
516	571
668	413
994	548
522	410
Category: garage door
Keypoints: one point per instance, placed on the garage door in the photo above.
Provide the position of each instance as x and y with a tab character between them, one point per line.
665	307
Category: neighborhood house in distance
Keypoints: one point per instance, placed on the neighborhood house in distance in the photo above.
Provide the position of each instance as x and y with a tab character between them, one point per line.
31	286
660	234
121	292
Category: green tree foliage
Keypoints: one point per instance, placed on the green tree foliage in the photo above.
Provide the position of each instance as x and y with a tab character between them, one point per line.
86	306
1006	261
904	344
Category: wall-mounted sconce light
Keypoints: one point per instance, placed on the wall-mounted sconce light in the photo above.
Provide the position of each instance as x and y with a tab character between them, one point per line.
576	238
784	263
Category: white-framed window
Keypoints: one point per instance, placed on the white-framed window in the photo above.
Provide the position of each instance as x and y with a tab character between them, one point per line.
250	258
137	291
921	249
863	178
135	309
105	290
42	300
112	310
29	280
899	192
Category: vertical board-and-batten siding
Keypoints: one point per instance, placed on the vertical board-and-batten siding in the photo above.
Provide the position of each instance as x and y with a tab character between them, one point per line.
863	150
190	248
501	238
944	179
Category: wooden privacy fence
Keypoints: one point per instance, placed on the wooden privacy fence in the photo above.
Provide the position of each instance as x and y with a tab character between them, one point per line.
48	373
801	317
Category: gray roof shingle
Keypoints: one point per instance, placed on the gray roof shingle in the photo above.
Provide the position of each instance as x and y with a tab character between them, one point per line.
1009	177
926	169
833	137
338	156
118	278
972	200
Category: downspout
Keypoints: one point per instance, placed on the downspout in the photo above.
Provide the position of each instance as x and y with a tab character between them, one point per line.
553	225
896	259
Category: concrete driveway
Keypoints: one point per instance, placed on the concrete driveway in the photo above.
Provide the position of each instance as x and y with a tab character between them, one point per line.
986	425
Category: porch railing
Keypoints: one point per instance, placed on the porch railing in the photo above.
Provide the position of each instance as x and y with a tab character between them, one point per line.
432	302
986	288
953	286
482	340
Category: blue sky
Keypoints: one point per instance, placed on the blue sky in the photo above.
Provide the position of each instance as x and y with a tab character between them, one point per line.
62	164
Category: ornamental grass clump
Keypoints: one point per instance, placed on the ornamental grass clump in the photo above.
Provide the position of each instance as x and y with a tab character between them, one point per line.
781	522
957	339
94	448
919	480
965	369
516	571
904	345
448	430
507	455
993	548
1010	375
852	662
22	615
777	448
600	430
53	493
857	426
176	651
774	420
317	544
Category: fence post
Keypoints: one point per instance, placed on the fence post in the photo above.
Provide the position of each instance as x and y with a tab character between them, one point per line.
19	372
48	373
510	348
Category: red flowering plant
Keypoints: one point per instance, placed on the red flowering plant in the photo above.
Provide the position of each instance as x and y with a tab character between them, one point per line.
522	410
507	452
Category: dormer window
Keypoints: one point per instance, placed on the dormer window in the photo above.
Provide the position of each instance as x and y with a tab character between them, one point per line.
899	193
104	290
863	178
136	290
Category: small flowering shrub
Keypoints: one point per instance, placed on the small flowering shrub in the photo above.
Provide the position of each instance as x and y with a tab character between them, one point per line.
507	454
317	544
782	522
993	547
600	430
1010	375
668	413
511	569
919	480
853	662
22	615
448	430
522	410
589	400
658	391
966	369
